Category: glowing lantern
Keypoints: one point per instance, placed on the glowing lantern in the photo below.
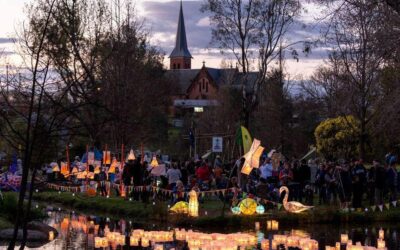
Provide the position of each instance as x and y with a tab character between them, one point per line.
193	204
235	210
381	244
265	244
131	156
74	170
51	235
106	157
97	242
154	162
55	167
252	158
260	209
257	226
381	234
113	166
248	206
64	169
180	207
344	238
134	241
97	170
145	242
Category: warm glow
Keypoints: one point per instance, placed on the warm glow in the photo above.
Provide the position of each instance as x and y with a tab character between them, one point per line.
131	156
154	162
193	204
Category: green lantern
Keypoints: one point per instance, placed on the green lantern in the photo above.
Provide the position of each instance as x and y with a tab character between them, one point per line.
260	209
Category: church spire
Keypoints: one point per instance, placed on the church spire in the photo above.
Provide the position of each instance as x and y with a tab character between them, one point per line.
180	56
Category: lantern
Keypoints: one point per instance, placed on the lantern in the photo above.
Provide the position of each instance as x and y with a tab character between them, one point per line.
193	204
274	225
51	235
257	226
381	244
97	242
381	234
252	158
344	238
180	207
145	242
265	244
106	157
248	206
55	167
154	162
131	156
64	169
74	170
97	170
235	210
260	209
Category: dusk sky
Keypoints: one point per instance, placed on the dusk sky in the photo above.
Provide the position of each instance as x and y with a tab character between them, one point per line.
161	18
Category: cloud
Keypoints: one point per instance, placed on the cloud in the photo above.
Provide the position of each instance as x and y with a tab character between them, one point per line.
6	40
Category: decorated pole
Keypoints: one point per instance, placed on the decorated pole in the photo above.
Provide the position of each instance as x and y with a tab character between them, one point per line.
67	155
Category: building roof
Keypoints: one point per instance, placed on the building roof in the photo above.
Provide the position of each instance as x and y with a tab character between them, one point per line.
181	48
230	76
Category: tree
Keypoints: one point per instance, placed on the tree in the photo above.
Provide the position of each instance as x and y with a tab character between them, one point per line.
252	31
354	65
338	137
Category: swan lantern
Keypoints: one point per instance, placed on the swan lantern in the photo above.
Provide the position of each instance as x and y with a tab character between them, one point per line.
292	206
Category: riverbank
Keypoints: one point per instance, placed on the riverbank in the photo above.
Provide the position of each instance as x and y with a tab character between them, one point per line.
8	208
210	212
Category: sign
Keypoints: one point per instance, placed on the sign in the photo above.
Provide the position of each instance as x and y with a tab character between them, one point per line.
217	144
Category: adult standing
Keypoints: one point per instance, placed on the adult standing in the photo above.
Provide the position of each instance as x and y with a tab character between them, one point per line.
359	174
173	175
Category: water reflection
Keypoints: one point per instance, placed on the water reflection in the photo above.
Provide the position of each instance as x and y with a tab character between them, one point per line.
77	231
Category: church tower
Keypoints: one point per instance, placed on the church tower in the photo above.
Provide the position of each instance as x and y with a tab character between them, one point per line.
180	57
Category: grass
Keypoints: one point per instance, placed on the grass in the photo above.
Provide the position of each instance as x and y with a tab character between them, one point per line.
5	223
8	207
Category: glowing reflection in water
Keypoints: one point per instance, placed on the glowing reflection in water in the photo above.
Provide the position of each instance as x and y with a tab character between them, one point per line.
92	232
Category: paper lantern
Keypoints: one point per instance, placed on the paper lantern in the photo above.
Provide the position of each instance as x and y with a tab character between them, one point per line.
55	167
97	170
252	158
235	210
260	209
344	238
180	207
193	204
51	235
381	244
131	156
113	166
74	170
154	162
257	226
381	234
248	206
106	157
64	169
265	244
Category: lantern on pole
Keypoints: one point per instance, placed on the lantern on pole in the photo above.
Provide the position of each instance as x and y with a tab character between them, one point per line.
154	162
131	156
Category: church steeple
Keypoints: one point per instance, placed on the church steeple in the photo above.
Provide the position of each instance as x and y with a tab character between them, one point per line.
180	57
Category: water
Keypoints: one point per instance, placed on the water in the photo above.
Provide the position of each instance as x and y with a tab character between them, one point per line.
78	231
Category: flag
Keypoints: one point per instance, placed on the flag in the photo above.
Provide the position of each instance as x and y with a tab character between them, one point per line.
243	138
14	164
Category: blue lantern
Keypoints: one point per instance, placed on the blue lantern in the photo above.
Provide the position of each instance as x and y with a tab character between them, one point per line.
260	209
235	210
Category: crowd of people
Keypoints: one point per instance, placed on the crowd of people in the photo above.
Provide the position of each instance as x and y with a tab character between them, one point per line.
344	183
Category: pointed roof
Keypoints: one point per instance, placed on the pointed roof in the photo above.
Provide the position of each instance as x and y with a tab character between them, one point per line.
181	49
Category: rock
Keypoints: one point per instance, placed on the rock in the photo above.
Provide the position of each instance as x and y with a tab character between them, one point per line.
33	235
44	228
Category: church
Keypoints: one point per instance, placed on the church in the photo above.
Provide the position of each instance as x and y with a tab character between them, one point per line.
198	87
